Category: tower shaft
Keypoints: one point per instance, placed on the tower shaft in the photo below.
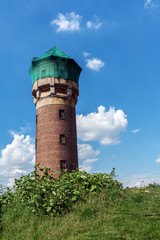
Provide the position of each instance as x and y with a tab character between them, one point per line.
56	135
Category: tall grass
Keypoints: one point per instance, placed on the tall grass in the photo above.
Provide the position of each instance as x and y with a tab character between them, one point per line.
108	213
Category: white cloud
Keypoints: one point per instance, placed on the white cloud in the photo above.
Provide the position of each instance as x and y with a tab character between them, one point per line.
17	158
89	24
21	150
11	182
26	128
86	151
139	180
102	126
158	160
87	164
86	155
94	64
93	25
15	174
138	184
86	54
96	24
136	130
15	171
150	4
68	22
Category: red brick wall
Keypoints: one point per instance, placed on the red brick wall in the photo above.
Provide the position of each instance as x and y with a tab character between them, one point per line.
49	126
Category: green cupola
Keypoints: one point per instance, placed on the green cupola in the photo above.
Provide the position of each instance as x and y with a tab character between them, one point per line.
54	63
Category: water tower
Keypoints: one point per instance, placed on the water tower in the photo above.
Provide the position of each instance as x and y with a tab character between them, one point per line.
55	91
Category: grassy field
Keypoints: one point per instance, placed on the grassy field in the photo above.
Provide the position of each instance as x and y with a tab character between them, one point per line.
132	214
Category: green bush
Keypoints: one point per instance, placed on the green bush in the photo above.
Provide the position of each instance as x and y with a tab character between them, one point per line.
53	196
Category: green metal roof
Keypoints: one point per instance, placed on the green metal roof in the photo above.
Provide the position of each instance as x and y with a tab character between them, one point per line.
54	63
52	52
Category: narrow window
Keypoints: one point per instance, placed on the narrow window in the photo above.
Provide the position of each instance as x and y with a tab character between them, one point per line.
63	164
36	119
36	144
62	139
61	114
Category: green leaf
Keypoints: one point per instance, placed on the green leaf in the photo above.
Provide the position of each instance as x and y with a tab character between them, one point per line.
74	199
83	177
93	188
49	209
77	192
41	169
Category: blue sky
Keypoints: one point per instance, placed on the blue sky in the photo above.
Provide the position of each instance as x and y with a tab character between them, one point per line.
118	113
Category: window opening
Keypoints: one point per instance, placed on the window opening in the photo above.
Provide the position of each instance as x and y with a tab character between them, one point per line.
61	114
36	144
63	164
62	139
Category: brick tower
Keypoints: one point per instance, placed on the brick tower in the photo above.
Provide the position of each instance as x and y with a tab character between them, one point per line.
55	91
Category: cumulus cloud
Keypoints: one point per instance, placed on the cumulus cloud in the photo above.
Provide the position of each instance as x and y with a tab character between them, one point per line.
96	24
150	4
16	173
69	22
102	125
87	164
94	64
86	151
136	130
17	158
86	155
20	151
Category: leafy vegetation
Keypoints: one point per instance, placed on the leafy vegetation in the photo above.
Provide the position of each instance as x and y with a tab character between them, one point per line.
53	196
95	208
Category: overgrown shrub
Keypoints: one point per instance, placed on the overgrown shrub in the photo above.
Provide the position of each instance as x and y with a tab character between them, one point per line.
43	192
